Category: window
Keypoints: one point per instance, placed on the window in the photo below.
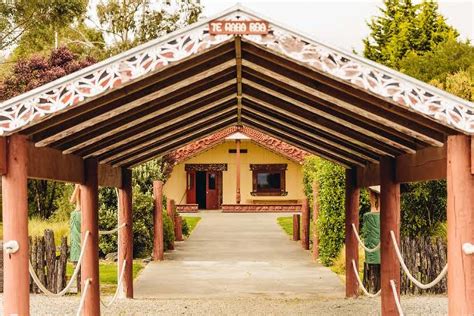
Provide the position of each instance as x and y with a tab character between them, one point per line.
212	181
268	179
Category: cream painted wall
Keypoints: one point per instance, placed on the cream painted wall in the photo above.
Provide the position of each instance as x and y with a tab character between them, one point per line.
175	187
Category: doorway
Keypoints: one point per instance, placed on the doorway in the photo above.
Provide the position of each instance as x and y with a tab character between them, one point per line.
204	187
201	189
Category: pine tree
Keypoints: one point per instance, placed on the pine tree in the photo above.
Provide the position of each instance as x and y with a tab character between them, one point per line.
403	28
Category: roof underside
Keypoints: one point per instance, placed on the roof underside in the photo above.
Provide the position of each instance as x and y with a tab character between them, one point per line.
128	119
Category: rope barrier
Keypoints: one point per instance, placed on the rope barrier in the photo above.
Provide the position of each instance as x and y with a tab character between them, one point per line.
119	287
108	232
361	243
407	272
397	299
361	285
71	280
83	297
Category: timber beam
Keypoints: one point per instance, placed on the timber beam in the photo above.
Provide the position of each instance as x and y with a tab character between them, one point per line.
51	164
426	164
472	154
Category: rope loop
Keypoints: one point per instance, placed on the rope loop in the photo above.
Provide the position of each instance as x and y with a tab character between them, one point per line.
83	297
361	243
361	285
397	299
407	272
116	229
119	287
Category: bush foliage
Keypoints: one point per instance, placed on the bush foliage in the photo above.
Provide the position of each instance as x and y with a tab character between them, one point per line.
331	180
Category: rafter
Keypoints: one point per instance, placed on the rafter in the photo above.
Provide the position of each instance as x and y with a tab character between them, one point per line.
134	104
379	118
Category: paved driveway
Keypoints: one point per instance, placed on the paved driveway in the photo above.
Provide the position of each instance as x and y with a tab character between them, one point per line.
237	255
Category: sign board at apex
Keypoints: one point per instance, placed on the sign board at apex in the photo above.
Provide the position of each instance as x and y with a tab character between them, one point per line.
236	27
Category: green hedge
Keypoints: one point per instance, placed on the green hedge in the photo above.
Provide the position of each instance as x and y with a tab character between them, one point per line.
331	228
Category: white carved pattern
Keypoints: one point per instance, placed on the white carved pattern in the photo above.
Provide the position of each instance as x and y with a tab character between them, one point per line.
459	116
108	77
16	115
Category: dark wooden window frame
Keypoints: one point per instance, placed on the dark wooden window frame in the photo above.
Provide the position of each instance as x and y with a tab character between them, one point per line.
273	168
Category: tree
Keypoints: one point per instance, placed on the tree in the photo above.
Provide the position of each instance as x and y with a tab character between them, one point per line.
37	70
43	196
445	58
404	28
20	17
127	23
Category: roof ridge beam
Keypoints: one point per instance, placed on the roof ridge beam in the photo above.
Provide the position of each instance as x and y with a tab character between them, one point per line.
238	66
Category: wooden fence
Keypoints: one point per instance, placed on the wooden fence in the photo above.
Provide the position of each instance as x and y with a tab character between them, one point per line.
425	258
48	262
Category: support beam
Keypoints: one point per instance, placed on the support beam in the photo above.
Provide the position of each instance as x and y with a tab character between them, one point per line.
90	263
426	164
16	286
158	246
178	228
472	154
237	171
389	221
3	155
125	234
305	224
352	217
50	164
460	187
296	227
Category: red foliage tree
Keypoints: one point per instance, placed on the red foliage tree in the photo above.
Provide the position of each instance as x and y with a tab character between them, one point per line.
37	70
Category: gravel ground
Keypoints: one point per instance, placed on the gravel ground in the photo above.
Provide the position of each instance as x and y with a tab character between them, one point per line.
255	305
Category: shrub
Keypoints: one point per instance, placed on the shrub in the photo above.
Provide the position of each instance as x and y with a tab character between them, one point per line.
423	208
331	227
185	228
168	231
107	220
142	223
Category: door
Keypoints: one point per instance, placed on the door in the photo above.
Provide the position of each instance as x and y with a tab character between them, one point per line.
191	187
212	196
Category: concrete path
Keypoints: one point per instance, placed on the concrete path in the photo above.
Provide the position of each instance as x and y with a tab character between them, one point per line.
237	255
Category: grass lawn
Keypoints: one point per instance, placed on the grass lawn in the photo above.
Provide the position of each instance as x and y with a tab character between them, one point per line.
192	222
286	223
108	274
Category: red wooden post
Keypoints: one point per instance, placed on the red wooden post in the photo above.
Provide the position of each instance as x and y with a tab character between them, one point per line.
179	228
305	224
460	187
296	227
237	170
315	220
126	233
16	297
352	217
90	263
389	220
158	247
170	210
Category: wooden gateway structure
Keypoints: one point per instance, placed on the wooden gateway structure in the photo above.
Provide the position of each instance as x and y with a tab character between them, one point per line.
238	69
